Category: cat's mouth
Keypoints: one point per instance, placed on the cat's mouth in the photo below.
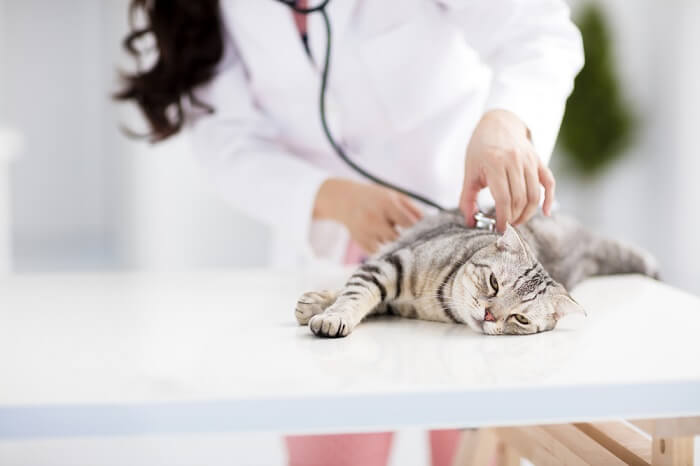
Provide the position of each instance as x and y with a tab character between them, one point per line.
479	318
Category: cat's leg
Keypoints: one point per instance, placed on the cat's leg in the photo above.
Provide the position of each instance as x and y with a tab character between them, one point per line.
572	253
365	292
312	303
604	256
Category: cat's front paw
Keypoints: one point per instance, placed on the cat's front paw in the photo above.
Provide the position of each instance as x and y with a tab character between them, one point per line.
312	303
332	325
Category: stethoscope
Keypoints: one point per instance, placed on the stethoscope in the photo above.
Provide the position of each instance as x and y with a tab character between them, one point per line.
482	221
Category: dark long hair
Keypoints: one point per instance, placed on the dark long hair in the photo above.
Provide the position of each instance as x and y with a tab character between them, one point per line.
188	36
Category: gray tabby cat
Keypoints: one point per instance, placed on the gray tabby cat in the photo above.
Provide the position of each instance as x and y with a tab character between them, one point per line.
441	270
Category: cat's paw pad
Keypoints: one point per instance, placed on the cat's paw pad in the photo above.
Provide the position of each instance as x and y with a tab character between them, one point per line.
332	325
312	303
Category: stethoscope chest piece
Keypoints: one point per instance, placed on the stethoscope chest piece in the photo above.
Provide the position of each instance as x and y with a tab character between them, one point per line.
482	222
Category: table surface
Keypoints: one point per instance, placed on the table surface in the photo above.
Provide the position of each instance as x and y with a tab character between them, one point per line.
221	351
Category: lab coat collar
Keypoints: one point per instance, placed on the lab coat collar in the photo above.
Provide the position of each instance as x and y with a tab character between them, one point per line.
285	42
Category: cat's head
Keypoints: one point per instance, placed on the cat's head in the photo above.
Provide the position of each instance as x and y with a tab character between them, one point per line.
503	289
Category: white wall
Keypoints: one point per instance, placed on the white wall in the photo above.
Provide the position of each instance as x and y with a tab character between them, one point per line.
171	220
53	89
83	195
685	132
167	215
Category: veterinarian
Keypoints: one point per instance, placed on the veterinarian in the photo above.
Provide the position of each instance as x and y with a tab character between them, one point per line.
443	97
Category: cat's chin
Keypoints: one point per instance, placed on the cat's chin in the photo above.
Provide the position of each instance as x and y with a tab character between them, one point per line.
474	323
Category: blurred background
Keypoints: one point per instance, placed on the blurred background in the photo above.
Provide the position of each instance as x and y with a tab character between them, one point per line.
78	195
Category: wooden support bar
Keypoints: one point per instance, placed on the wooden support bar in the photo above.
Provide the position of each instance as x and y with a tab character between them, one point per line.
482	448
525	441
476	448
556	444
669	442
621	439
672	439
509	456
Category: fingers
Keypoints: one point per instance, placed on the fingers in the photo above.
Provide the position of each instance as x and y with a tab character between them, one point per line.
377	224
370	245
547	180
412	208
398	211
403	212
468	205
394	213
365	245
382	235
468	199
401	216
374	240
498	184
518	190
386	232
532	186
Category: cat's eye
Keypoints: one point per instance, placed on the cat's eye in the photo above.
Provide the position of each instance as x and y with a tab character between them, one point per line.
522	319
494	283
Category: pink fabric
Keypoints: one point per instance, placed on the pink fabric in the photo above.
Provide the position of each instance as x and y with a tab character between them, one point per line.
363	449
339	450
354	254
443	446
300	18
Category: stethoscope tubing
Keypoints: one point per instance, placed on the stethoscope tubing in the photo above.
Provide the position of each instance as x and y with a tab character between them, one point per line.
322	107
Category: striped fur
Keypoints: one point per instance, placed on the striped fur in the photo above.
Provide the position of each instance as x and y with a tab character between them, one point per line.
441	270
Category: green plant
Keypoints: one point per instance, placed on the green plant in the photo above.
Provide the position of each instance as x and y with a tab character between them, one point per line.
598	124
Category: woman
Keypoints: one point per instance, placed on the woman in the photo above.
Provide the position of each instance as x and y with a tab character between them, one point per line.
437	96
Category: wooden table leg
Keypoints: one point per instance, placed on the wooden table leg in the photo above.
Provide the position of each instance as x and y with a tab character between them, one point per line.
664	442
509	457
477	447
672	451
672	439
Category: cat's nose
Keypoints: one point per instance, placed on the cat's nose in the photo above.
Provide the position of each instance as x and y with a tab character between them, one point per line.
488	316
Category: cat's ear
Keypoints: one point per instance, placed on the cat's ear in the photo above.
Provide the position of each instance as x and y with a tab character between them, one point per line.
510	241
565	305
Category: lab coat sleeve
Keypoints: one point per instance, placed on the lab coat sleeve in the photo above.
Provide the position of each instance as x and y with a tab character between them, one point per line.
241	151
534	51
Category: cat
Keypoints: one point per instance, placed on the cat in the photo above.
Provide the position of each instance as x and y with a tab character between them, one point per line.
441	270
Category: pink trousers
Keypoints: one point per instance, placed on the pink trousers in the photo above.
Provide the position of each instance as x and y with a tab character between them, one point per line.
362	449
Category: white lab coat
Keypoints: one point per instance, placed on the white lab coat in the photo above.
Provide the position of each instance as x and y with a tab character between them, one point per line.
409	81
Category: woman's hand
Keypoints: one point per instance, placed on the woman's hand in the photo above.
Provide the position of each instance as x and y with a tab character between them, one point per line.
500	155
370	212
